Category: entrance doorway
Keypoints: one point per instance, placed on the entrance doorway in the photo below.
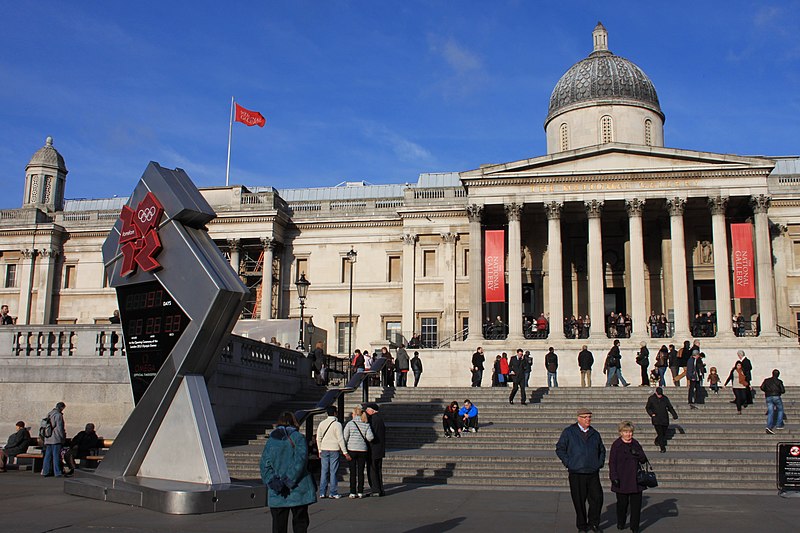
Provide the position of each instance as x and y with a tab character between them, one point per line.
615	301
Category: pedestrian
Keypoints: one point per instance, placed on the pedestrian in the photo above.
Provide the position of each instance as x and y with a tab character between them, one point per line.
357	436
773	388
674	365
55	442
477	367
451	421
659	408
377	449
582	452
317	357
623	465
662	361
747	368
16	444
643	360
518	371
416	367
740	384
469	416
330	441
401	366
285	472
614	363
585	362
528	366
714	380
551	364
497	376
5	318
504	370
693	378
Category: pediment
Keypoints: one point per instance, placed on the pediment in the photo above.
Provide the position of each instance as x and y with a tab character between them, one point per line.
618	158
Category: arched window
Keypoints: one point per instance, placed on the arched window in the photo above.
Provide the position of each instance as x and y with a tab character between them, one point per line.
648	132
606	129
564	137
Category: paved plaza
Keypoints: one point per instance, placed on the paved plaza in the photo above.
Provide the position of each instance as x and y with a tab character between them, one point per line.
33	504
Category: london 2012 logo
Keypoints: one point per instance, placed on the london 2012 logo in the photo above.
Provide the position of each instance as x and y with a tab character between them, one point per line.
138	237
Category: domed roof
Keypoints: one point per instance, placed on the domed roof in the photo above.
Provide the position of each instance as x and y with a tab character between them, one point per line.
48	156
603	78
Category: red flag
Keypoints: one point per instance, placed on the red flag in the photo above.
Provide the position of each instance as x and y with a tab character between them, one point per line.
742	244
494	262
249	118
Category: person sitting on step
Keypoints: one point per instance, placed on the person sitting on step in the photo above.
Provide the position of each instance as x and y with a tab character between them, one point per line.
451	421
469	415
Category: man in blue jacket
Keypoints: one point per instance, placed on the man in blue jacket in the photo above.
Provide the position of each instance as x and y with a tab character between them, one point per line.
581	450
469	414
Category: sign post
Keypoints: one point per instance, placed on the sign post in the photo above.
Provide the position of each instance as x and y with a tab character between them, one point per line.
178	301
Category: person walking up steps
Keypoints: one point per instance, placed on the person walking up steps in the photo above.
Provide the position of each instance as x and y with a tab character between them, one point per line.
614	363
659	408
518	368
773	388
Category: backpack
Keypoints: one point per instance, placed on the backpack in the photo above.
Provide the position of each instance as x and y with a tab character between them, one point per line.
45	428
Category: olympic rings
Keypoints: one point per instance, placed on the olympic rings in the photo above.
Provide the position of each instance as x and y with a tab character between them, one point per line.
147	214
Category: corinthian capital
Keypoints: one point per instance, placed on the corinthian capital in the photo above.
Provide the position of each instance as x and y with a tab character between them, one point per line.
513	211
449	237
634	207
553	210
409	239
594	209
760	203
676	206
474	212
718	204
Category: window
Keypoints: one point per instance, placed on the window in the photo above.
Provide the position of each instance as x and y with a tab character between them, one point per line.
69	276
395	268
302	268
393	331
343	335
606	129
648	132
347	265
429	332
465	265
428	263
11	276
564	133
795	249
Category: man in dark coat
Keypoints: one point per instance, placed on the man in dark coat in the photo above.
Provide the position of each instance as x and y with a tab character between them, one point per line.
693	377
747	368
674	364
377	450
16	444
551	364
773	389
416	367
582	452
659	407
643	360
401	365
585	362
477	367
85	441
518	367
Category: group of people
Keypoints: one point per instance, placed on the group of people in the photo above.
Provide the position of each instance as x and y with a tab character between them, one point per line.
284	463
395	370
457	420
577	327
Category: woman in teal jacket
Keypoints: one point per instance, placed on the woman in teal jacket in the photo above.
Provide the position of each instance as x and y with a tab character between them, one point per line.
284	471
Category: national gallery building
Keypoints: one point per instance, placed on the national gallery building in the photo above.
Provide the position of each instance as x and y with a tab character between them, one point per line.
609	220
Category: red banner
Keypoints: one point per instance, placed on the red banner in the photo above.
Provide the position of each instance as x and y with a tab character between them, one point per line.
249	118
494	266
742	243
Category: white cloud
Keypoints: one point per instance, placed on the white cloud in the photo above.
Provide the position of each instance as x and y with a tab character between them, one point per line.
405	149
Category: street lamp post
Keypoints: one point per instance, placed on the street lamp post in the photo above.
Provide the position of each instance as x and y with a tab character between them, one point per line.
302	291
352	255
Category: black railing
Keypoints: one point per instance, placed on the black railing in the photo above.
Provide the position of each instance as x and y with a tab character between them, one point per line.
750	328
661	330
455	337
786	332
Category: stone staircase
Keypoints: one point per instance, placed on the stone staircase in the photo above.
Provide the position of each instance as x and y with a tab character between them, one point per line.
710	449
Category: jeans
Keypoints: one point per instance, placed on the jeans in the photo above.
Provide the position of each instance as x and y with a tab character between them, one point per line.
527	377
416	377
552	379
774	403
327	477
615	370
477	377
661	371
402	378
52	460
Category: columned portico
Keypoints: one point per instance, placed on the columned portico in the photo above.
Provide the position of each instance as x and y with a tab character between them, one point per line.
409	250
269	245
475	215
638	309
594	211
680	296
766	290
514	212
555	276
722	284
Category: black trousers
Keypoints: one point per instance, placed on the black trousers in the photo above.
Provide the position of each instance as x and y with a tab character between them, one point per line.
694	386
417	375
375	474
661	435
357	464
451	424
585	487
645	375
519	383
280	519
635	503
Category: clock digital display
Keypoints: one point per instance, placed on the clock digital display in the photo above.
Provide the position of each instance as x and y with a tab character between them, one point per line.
152	323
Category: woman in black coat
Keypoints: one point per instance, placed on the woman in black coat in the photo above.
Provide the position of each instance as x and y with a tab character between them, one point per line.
623	464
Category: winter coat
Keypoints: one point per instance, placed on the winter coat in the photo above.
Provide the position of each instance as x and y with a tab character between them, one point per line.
330	437
285	455
614	357
659	410
623	463
401	360
416	364
773	387
319	358
579	455
585	360
472	412
59	435
643	359
551	361
504	366
477	360
84	442
358	435
377	447
17	443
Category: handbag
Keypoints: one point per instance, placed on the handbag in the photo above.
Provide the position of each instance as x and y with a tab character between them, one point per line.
645	476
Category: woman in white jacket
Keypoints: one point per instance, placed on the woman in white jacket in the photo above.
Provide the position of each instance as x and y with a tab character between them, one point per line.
357	436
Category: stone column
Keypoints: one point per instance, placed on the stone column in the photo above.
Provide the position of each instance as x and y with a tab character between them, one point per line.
265	305
722	282
680	293
555	275
766	289
638	308
475	214
514	213
597	306
235	247
25	286
44	298
409	250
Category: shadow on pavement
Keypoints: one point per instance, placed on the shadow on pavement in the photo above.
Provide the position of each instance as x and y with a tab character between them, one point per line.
447	525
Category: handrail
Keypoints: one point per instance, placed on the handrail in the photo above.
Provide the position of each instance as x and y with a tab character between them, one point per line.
359	379
786	332
458	336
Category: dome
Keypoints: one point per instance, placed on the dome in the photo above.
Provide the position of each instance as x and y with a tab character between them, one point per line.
603	78
48	156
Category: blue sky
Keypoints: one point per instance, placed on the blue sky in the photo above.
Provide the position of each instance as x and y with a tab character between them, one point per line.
366	90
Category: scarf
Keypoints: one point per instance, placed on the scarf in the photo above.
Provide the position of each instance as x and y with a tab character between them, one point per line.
742	378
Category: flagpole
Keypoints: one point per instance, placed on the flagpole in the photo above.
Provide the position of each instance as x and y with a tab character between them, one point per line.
230	131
